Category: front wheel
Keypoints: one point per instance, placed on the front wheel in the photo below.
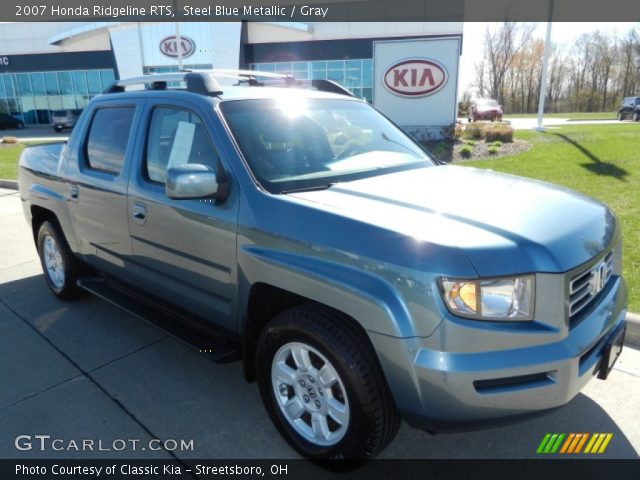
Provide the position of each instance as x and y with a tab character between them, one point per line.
61	268
322	385
620	116
20	126
636	116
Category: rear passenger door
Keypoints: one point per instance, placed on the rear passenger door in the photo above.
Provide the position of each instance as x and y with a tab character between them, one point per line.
97	171
185	249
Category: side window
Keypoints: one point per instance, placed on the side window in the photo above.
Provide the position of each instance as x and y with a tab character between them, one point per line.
108	138
176	137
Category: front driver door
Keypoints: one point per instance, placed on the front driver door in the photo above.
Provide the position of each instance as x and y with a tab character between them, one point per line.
185	250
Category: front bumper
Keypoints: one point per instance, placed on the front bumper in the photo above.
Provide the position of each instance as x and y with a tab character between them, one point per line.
435	388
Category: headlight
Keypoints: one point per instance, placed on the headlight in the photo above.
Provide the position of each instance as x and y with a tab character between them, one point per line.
508	299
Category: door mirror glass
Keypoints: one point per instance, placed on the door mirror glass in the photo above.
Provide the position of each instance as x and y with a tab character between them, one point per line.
191	181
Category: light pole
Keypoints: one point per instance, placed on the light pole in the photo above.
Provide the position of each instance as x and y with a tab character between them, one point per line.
545	67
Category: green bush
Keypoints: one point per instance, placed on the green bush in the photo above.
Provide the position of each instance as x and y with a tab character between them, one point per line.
497	143
474	130
439	150
458	130
499	132
471	143
465	151
493	150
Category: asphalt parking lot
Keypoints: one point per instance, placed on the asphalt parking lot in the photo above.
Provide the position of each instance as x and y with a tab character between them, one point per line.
86	370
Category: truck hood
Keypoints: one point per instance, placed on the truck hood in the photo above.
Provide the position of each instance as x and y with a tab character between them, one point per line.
503	224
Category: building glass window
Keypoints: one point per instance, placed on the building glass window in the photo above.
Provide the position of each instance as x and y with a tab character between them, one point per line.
37	84
65	82
93	82
107	78
8	84
31	96
356	75
51	83
79	82
24	85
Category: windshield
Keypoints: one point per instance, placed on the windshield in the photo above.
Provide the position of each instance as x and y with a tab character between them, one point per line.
299	144
487	103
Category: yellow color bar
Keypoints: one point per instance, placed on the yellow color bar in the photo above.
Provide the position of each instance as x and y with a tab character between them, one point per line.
605	443
594	437
596	445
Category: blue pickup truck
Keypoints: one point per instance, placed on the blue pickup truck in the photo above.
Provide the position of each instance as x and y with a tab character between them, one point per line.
296	228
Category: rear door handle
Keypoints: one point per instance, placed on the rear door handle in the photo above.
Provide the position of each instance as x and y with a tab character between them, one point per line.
74	191
139	213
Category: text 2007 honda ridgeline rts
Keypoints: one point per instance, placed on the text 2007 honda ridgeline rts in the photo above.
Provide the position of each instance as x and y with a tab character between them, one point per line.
360	281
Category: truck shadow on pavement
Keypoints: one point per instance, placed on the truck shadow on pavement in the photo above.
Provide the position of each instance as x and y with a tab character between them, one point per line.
85	369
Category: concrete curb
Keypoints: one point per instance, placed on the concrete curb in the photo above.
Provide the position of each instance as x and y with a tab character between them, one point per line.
632	337
10	184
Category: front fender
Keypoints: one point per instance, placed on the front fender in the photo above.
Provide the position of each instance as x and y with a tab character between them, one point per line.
367	298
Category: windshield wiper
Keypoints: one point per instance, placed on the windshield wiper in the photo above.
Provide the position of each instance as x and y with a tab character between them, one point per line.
308	189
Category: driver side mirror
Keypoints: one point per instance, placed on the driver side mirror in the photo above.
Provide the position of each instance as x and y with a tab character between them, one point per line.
192	181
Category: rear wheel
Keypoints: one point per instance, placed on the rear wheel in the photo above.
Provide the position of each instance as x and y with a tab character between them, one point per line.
636	116
20	126
57	128
620	116
61	268
322	385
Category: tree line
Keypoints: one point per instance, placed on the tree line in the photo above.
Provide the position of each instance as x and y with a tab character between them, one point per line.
592	75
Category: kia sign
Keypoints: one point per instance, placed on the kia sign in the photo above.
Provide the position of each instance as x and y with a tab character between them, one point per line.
415	83
415	78
169	46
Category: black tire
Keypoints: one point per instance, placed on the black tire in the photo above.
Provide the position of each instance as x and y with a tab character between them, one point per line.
373	418
20	126
57	129
636	116
67	289
620	118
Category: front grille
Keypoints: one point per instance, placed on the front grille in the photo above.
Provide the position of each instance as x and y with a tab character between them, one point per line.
586	285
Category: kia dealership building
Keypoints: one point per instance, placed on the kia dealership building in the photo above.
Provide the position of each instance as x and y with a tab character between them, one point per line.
409	70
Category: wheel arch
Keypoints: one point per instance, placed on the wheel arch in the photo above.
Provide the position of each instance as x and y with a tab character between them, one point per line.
274	281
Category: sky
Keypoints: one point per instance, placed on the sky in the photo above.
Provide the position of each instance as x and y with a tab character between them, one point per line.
563	34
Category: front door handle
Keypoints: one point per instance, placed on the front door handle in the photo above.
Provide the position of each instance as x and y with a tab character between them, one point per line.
139	213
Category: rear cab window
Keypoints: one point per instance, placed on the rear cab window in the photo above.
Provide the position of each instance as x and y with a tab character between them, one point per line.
107	139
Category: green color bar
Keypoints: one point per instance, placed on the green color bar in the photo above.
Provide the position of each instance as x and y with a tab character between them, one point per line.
558	442
543	443
550	444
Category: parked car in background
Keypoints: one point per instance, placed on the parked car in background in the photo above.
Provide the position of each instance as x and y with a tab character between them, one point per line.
629	108
485	109
62	119
8	121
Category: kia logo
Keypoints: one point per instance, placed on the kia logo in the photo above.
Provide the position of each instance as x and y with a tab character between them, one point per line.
415	78
169	46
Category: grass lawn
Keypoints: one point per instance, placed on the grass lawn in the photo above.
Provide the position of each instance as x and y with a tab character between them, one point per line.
570	116
9	161
602	161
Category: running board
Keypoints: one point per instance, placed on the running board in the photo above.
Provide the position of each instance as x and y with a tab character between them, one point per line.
194	331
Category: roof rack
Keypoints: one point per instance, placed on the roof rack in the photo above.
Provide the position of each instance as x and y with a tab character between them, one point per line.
204	81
